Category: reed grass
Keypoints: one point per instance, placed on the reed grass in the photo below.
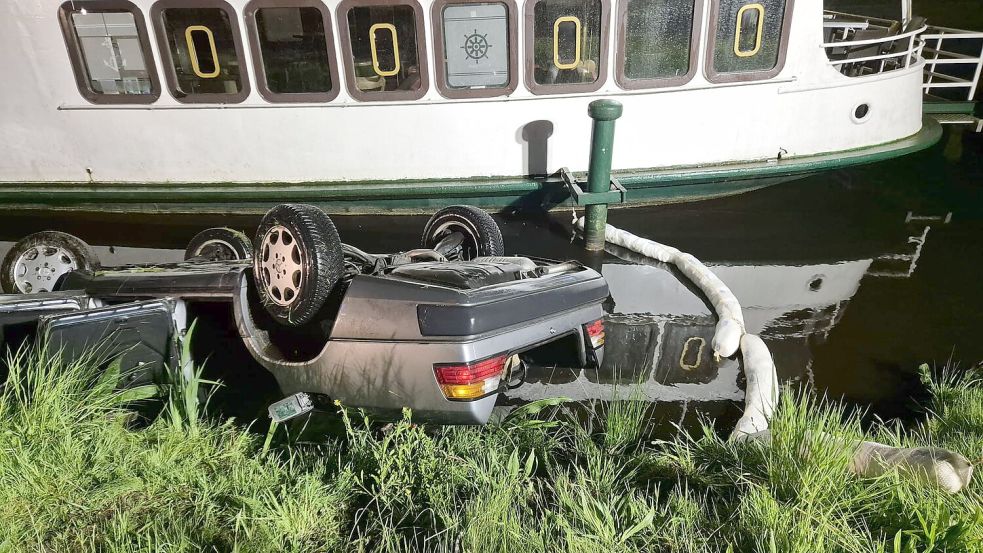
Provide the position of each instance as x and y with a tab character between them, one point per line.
79	471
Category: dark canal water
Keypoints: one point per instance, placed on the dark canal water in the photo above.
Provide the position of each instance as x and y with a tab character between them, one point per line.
853	278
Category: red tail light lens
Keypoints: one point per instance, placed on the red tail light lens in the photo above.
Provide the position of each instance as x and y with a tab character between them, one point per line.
470	380
595	332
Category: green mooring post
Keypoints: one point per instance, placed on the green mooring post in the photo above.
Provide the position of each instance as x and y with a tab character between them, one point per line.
604	113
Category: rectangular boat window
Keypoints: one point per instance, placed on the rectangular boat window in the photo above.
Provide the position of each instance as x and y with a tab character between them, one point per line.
293	50
201	49
567	40
384	49
475	45
110	51
658	42
748	39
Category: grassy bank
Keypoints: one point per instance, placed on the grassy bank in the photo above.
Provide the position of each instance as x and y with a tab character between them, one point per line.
79	472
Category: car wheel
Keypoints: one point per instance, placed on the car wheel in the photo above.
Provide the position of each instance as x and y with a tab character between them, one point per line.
35	263
297	262
463	232
219	244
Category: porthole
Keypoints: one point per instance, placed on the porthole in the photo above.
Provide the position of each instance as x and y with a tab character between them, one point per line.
861	113
816	283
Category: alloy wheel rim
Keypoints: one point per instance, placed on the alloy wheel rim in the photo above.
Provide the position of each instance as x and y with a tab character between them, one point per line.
281	266
39	268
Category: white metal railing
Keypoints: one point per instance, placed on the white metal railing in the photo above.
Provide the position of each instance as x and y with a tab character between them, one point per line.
889	52
908	261
834	15
940	50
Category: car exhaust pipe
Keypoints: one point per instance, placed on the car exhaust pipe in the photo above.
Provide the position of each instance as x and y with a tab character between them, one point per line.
558	268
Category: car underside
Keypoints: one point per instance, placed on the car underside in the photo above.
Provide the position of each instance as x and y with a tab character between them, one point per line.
443	330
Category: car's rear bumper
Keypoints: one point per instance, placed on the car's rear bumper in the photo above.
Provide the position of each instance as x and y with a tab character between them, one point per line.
389	375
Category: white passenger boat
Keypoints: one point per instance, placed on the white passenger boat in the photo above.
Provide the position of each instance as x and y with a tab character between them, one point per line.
405	105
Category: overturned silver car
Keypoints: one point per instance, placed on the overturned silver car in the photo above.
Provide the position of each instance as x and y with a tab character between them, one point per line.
443	330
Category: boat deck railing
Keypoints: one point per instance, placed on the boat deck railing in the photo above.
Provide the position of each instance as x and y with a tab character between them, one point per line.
953	61
859	46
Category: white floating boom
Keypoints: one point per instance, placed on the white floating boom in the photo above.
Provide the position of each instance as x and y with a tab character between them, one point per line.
935	466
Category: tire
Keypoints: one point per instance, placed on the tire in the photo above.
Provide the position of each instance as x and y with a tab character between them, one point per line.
36	262
297	261
482	237
219	244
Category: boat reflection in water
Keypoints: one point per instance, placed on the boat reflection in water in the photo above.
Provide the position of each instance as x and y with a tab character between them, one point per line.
660	329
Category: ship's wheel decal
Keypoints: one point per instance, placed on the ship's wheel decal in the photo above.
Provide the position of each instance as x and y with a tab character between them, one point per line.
476	46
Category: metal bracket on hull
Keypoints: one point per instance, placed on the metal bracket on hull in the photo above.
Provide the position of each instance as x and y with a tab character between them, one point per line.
616	195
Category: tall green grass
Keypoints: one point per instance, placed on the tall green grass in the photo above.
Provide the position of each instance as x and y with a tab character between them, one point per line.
79	472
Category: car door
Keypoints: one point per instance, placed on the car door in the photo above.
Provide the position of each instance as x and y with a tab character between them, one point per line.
142	335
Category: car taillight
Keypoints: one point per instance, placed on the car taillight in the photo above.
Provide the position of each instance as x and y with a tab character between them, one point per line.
470	380
595	331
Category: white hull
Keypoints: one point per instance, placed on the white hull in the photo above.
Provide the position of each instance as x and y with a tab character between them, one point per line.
52	134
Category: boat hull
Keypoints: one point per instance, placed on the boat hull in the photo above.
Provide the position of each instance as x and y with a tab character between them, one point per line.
644	187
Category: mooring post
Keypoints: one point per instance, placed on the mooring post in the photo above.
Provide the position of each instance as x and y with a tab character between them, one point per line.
604	113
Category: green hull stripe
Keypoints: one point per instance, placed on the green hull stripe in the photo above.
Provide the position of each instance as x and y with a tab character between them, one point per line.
644	186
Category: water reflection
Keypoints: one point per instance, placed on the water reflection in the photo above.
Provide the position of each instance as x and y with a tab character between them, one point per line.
853	278
660	328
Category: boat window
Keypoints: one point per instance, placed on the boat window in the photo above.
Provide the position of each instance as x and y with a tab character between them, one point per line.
201	50
475	42
567	40
658	42
293	50
748	41
384	56
110	52
566	37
